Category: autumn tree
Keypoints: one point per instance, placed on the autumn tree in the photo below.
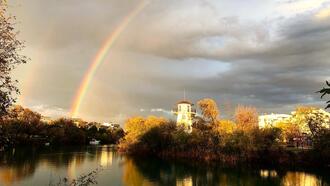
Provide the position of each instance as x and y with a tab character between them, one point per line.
314	121
290	130
210	110
136	127
24	115
10	47
63	122
246	117
153	121
225	127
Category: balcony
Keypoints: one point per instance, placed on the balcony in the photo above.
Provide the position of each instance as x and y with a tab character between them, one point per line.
175	111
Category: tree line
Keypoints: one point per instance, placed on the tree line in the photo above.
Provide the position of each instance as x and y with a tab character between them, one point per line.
21	126
232	140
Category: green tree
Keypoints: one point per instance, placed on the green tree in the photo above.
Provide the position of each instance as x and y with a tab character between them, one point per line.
10	47
326	91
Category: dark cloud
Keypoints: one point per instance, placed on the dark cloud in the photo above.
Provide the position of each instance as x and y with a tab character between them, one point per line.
287	71
232	51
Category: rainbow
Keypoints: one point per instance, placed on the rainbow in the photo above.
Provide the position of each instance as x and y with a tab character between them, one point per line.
100	56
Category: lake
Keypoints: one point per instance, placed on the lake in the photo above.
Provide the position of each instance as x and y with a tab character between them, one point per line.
32	167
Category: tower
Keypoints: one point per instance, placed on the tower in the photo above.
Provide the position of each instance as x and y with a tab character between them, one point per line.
185	113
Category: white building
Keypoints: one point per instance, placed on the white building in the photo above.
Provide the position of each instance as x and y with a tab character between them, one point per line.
271	119
45	119
185	113
110	125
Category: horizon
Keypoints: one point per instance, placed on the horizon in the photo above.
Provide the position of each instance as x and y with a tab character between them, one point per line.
273	55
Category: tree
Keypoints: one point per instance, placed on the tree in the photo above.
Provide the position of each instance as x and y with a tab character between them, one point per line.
324	92
225	127
24	115
65	131
246	117
200	124
290	130
10	47
141	131
209	110
153	121
313	120
317	121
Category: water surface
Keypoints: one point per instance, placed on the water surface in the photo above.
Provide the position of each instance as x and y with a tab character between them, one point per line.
32	167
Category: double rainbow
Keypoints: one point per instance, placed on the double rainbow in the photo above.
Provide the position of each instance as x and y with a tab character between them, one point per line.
100	56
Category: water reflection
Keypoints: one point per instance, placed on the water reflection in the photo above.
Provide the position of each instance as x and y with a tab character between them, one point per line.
106	158
37	167
21	164
268	173
158	172
13	172
184	182
301	178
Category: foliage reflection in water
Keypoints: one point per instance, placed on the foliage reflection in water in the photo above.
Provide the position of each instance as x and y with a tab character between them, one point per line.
39	167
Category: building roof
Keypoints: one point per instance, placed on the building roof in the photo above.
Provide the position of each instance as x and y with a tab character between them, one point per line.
185	102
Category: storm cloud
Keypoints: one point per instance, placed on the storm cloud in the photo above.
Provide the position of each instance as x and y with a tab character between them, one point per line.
272	54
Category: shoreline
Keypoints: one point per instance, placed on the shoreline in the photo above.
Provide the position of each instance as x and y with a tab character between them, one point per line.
307	159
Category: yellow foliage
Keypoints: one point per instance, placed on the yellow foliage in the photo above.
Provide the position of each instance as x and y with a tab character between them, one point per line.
137	126
26	115
134	127
225	127
153	121
289	129
304	109
134	124
209	109
132	176
246	117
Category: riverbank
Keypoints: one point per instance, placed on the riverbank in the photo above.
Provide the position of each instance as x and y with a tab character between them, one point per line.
216	143
274	158
295	159
61	132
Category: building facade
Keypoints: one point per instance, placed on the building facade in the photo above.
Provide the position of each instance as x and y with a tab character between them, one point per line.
185	114
270	120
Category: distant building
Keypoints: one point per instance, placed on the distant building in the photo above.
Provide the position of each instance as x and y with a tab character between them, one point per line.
271	119
110	125
45	119
79	122
185	113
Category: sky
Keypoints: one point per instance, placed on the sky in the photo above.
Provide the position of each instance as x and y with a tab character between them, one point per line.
271	54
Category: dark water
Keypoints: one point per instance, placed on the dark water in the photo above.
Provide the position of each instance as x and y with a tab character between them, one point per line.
39	167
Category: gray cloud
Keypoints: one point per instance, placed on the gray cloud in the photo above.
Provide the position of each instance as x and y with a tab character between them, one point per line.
232	51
